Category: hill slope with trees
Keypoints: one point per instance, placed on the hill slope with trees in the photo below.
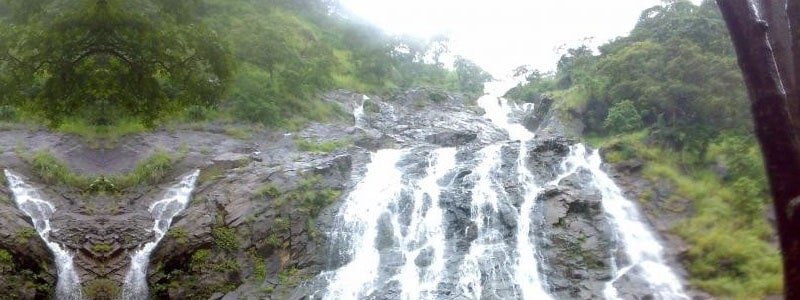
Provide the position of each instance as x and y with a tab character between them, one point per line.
671	95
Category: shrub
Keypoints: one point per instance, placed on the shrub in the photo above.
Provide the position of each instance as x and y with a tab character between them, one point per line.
199	260
6	260
225	238
623	117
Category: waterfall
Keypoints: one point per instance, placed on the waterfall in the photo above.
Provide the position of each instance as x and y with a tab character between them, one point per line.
392	239
640	245
376	202
526	269
488	251
358	215
68	285
358	112
425	231
175	200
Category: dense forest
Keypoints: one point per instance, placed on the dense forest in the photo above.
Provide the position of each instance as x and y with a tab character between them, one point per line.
73	64
670	94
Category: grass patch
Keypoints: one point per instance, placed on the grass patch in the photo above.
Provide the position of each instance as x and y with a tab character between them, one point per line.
180	235
267	190
310	196
102	248
102	136
54	171
322	147
237	132
259	266
151	171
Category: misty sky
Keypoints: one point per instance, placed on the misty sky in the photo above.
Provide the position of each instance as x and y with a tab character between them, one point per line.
502	34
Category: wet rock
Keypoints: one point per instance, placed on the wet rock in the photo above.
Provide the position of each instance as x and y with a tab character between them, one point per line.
451	138
545	156
424	258
229	160
576	237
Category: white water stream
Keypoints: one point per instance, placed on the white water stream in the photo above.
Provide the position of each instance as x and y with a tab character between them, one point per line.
644	251
380	186
377	195
387	205
526	269
175	200
68	285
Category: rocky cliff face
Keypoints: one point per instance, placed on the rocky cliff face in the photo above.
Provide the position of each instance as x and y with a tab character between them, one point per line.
258	222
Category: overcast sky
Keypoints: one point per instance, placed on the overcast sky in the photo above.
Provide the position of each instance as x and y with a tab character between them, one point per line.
500	35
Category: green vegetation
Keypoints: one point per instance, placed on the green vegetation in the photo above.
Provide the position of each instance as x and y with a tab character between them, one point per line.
54	171
6	261
199	259
322	146
150	171
24	235
730	251
225	238
310	195
102	248
268	190
106	68
101	289
289	276
259	266
670	94
102	59
180	235
98	136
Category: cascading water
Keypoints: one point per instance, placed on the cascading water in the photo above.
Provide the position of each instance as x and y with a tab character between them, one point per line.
639	244
393	240
488	251
425	231
68	286
358	112
175	200
526	269
423	236
381	184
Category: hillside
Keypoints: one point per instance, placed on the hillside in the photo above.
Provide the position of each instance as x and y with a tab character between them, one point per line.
670	97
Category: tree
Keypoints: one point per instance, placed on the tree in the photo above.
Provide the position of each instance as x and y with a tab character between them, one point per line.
623	117
104	59
470	76
768	50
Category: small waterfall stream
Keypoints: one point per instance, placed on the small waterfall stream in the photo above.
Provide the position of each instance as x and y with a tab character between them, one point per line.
526	269
175	200
68	286
640	245
489	250
358	226
425	236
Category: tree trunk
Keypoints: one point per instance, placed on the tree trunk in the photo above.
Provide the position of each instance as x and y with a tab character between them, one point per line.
768	74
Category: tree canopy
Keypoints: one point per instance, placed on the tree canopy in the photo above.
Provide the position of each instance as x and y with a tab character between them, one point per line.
103	59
